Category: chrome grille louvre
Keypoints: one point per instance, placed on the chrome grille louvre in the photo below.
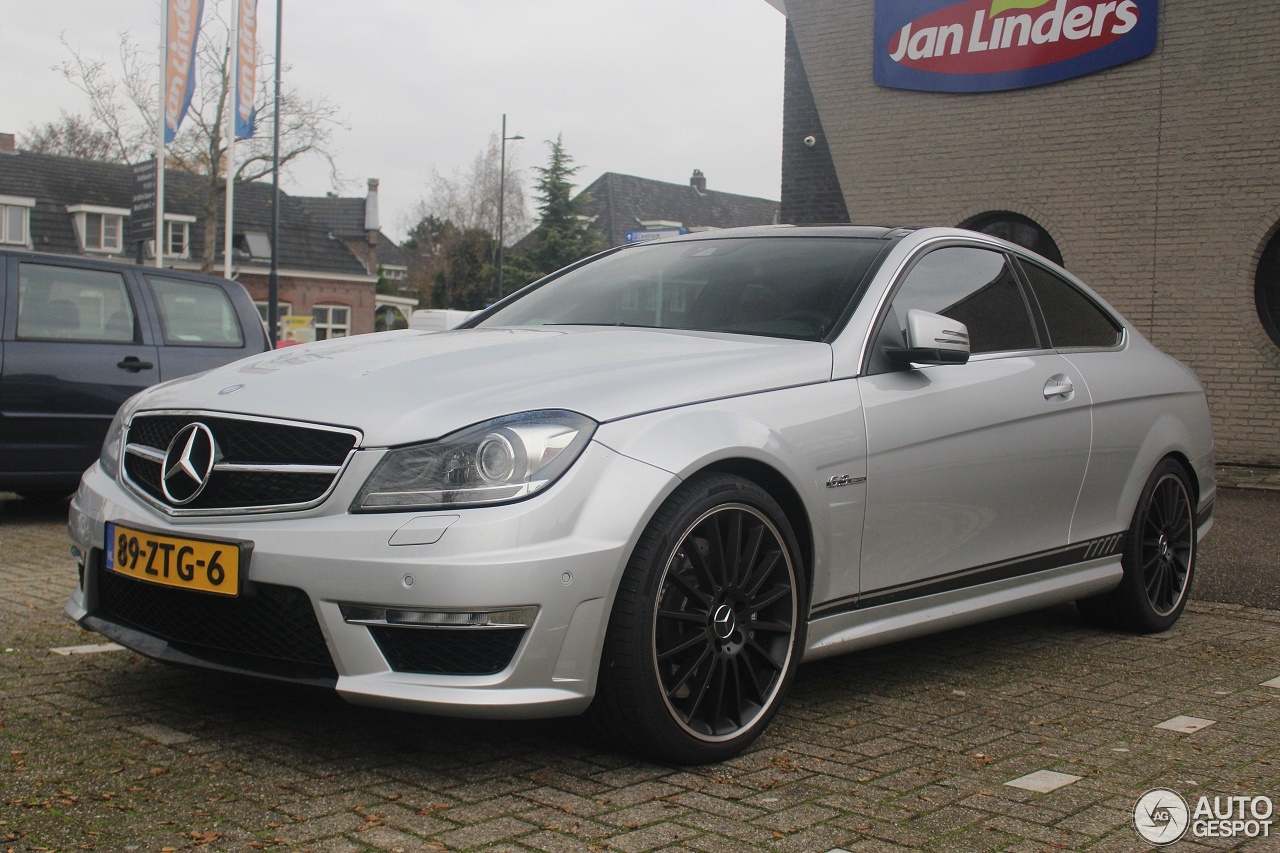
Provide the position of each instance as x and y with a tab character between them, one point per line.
262	464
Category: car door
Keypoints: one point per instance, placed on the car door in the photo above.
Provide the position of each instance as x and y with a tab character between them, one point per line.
75	349
197	325
973	469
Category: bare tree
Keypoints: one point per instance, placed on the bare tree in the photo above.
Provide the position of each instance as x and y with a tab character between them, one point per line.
470	199
123	106
70	136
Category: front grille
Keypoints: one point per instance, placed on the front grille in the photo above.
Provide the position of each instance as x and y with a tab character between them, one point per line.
257	465
269	628
441	651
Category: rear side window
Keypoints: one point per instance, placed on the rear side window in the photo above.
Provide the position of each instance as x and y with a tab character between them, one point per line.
1074	320
72	304
194	313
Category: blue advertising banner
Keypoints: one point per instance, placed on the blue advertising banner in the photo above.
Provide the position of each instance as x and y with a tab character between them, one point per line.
246	69
991	45
180	61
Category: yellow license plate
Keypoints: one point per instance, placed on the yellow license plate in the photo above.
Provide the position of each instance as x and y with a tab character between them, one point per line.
199	564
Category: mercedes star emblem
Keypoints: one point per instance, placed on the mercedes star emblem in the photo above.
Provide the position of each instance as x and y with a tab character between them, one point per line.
188	463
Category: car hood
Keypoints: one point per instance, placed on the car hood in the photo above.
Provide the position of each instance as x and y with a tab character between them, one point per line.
407	386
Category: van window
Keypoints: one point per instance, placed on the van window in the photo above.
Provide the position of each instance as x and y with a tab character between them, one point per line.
193	313
73	304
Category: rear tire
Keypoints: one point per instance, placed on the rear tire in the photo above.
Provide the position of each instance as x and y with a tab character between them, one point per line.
708	625
1159	558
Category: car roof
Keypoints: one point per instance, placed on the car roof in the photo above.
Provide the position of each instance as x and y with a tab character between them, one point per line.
107	263
866	231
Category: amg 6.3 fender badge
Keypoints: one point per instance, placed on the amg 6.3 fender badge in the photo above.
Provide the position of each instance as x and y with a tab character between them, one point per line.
188	463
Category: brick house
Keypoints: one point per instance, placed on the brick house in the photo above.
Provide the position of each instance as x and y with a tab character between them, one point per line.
330	249
1153	180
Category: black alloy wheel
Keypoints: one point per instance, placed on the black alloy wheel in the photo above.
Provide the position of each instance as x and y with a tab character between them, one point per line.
1159	558
707	628
1167	545
724	619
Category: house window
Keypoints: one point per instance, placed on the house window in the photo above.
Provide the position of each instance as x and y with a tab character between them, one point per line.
283	309
14	215
1267	288
255	245
177	239
332	321
101	228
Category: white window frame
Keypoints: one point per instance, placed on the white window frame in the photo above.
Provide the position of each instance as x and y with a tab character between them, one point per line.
81	212
10	206
331	329
175	224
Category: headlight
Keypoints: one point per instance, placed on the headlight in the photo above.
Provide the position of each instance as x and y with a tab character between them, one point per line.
109	458
494	462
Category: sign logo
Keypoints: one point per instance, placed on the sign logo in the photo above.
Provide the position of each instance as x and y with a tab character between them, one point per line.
1161	816
991	45
188	463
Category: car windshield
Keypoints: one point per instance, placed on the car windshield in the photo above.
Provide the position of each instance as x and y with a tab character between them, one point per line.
787	287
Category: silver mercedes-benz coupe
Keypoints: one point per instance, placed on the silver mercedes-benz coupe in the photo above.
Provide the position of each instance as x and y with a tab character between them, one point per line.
653	483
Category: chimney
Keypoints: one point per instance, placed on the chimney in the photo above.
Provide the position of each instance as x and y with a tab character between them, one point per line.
371	207
371	225
699	182
8	145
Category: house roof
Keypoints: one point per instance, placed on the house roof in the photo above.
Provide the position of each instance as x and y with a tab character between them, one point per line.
308	237
345	217
620	203
55	182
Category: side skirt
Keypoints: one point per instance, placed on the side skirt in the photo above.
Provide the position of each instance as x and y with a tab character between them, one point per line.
877	624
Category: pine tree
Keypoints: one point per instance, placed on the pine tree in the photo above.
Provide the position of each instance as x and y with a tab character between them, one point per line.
563	235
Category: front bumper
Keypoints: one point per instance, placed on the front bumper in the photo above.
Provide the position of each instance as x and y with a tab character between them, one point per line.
561	552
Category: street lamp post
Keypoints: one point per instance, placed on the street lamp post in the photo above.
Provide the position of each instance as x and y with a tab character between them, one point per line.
502	193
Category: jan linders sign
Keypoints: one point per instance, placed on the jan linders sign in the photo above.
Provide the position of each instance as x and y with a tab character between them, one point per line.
989	45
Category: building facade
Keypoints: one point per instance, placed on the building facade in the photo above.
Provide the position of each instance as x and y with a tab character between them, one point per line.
1154	180
329	260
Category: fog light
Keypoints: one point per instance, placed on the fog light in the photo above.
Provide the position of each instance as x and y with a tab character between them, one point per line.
509	617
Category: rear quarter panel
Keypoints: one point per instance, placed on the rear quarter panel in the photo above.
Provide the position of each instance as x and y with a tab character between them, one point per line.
1146	405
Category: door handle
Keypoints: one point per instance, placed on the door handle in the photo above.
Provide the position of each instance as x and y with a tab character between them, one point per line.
133	364
1058	386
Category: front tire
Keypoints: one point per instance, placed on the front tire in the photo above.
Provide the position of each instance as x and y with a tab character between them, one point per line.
708	625
1159	558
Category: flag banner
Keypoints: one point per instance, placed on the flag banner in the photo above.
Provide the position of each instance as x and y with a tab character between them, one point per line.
180	61
246	69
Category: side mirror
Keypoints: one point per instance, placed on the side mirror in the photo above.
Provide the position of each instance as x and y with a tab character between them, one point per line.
932	339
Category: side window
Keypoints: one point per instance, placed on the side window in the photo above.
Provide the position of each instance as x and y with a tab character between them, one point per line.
1073	318
194	313
976	287
72	304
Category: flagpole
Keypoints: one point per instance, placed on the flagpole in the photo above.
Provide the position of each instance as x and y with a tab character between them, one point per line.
233	82
164	65
273	281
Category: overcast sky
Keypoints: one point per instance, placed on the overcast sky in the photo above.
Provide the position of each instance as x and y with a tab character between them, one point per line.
654	88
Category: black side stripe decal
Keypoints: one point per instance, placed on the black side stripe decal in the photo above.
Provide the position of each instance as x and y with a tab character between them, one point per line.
1080	552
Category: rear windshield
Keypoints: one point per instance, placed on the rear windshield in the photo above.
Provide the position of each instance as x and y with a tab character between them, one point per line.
786	287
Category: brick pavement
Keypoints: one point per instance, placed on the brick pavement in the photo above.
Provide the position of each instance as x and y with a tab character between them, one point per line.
905	747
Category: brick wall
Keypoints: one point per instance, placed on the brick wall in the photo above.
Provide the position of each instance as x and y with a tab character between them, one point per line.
306	293
811	193
1157	179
